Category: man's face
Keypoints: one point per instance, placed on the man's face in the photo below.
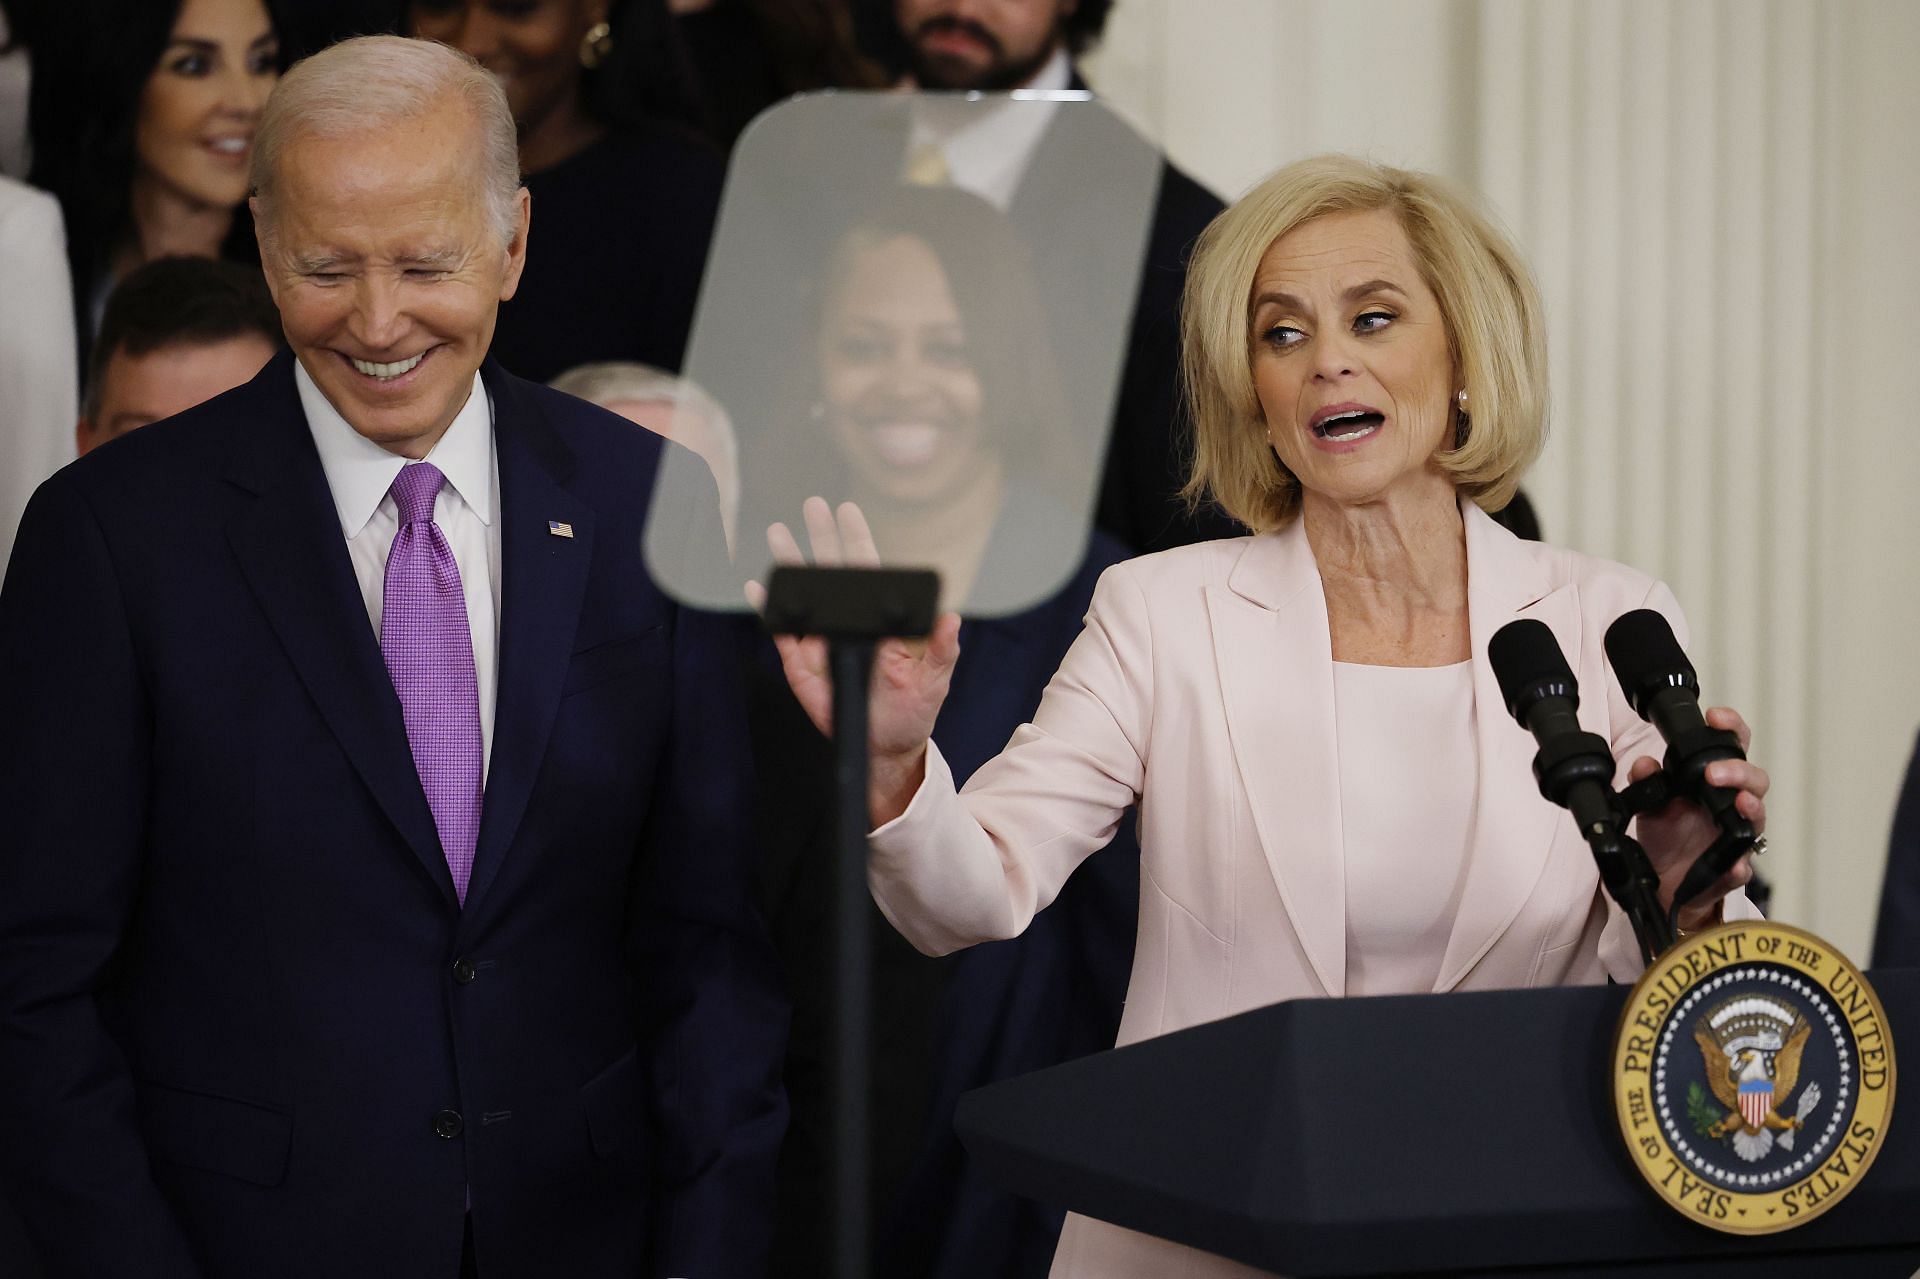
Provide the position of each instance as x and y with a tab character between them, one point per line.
388	271
988	45
138	389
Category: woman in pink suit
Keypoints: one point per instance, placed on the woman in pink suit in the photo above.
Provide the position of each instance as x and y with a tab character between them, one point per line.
1332	797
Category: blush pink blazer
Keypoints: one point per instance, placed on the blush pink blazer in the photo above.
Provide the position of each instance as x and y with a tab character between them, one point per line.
1202	689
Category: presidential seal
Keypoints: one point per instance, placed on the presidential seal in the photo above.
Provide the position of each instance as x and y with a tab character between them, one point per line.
1753	1077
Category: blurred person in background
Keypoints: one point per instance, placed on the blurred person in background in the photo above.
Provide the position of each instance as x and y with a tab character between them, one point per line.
143	113
930	393
1896	938
750	54
37	372
308	26
952	45
16	72
1031	44
671	407
177	332
624	187
38	378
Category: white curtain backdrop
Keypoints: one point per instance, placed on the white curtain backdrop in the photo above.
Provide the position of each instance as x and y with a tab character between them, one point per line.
1721	199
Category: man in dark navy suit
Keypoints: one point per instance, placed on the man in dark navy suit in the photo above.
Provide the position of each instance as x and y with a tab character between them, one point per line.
372	889
1030	44
1896	939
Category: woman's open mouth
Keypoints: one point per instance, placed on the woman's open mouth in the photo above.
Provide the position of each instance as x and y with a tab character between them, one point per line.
1353	425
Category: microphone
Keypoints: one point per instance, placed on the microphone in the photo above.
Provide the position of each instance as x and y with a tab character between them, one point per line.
1663	689
1575	770
1574	767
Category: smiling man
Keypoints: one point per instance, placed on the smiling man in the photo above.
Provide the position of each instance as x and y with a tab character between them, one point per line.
372	896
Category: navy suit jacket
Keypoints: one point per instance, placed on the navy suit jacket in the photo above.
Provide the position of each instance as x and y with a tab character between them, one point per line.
1148	457
1896	941
245	1027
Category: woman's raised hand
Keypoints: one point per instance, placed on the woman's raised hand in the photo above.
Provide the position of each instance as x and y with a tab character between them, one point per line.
910	677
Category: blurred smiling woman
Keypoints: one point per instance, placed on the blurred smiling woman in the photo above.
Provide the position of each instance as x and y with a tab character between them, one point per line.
625	190
1332	799
143	118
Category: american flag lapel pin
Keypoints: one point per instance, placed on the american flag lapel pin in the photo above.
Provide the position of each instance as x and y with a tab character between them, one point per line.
559	528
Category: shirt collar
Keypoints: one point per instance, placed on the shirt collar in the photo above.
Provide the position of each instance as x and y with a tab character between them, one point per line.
989	152
1054	77
359	472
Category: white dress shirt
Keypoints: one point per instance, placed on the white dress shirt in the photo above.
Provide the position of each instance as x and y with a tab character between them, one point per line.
989	155
359	473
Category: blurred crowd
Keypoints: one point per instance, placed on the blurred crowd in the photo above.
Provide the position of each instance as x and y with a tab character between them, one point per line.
130	289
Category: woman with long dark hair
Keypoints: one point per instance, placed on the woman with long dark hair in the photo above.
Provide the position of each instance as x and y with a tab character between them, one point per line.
142	117
625	189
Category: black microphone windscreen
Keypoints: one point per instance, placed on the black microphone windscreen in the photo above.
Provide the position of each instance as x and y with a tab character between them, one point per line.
1525	655
1643	651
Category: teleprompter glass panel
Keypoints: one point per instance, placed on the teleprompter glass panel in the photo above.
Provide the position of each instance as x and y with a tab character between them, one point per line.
919	304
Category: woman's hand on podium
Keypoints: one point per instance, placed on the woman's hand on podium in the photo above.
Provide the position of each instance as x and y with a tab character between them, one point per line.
910	676
1673	836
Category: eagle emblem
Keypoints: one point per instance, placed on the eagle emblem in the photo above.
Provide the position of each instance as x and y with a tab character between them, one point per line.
1751	1046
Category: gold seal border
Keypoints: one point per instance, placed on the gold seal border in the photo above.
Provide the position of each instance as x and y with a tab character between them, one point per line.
1653	999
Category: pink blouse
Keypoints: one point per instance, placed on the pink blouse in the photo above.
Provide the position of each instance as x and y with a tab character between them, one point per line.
1409	771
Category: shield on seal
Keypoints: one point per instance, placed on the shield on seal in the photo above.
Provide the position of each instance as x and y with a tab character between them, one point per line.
1756	1099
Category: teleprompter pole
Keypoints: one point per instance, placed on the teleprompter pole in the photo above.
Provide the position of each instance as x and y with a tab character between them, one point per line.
852	663
852	609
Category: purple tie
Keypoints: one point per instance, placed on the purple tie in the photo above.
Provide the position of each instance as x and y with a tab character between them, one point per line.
429	652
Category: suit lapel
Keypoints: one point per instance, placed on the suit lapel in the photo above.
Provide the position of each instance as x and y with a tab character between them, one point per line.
1514	829
1275	656
543	582
294	557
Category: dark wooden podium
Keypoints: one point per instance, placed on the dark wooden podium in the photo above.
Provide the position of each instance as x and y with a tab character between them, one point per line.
1430	1134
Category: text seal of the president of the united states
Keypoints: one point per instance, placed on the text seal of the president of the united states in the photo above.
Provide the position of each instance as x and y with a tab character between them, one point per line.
1753	1076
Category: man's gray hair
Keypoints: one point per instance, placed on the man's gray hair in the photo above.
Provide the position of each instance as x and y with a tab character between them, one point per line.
363	85
614	381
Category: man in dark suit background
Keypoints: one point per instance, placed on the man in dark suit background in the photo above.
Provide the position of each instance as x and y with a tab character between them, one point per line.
1030	44
373	896
1896	938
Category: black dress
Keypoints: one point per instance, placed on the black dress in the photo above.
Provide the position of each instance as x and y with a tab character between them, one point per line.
618	241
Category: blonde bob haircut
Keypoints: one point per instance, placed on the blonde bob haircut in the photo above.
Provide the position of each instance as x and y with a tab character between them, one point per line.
1487	302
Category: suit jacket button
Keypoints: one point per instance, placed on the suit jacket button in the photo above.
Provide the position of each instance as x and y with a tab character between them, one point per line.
464	971
448	1124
